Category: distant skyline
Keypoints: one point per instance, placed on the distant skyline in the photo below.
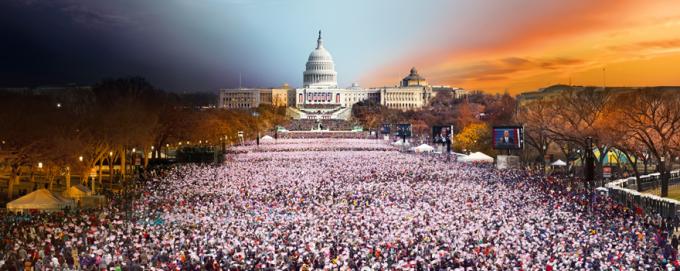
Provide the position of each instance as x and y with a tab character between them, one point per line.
183	45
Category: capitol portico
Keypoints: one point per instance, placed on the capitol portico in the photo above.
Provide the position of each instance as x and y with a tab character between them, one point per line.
321	98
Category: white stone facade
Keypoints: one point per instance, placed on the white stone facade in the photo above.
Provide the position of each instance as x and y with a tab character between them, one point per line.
321	98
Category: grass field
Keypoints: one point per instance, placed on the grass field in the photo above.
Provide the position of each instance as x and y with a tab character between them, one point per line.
673	192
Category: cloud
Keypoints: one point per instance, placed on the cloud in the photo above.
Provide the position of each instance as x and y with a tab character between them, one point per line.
89	16
85	13
515	61
505	68
647	45
491	78
558	63
488	50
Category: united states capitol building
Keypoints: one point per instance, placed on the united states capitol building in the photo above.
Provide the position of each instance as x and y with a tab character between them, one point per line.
320	97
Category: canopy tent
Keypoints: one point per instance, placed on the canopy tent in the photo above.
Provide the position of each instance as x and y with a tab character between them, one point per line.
77	191
559	163
266	138
477	157
613	156
424	148
400	143
459	156
41	199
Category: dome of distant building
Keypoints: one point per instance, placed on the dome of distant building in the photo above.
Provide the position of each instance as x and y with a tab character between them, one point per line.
320	69
413	79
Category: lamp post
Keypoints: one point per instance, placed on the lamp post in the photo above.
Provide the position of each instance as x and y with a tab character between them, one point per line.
545	148
257	127
662	175
589	171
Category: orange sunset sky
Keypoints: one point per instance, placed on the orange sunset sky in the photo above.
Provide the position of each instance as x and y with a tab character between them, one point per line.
617	43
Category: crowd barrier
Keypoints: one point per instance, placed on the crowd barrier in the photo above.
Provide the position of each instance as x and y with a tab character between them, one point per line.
653	180
620	190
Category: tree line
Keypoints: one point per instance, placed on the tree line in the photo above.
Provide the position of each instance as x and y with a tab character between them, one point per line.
642	124
76	130
471	116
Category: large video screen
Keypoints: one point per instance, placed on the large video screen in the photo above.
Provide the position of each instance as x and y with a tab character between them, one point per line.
385	129
404	130
442	133
508	137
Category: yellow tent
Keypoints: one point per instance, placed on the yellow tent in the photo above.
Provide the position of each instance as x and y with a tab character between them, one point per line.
77	191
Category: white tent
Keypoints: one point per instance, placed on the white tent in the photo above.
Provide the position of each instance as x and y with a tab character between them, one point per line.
266	138
424	148
477	157
41	199
459	156
559	163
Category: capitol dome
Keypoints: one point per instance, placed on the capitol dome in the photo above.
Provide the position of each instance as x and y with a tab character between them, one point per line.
413	79
320	69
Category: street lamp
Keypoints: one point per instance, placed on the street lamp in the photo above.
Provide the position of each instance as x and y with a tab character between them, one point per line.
110	153
40	165
80	158
257	127
545	147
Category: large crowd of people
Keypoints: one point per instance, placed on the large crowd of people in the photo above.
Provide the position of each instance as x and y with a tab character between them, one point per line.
317	208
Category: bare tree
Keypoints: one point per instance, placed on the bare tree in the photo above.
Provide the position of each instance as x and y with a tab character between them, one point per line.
535	117
652	118
575	114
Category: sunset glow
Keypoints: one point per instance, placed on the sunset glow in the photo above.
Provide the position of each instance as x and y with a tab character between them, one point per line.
514	45
614	43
